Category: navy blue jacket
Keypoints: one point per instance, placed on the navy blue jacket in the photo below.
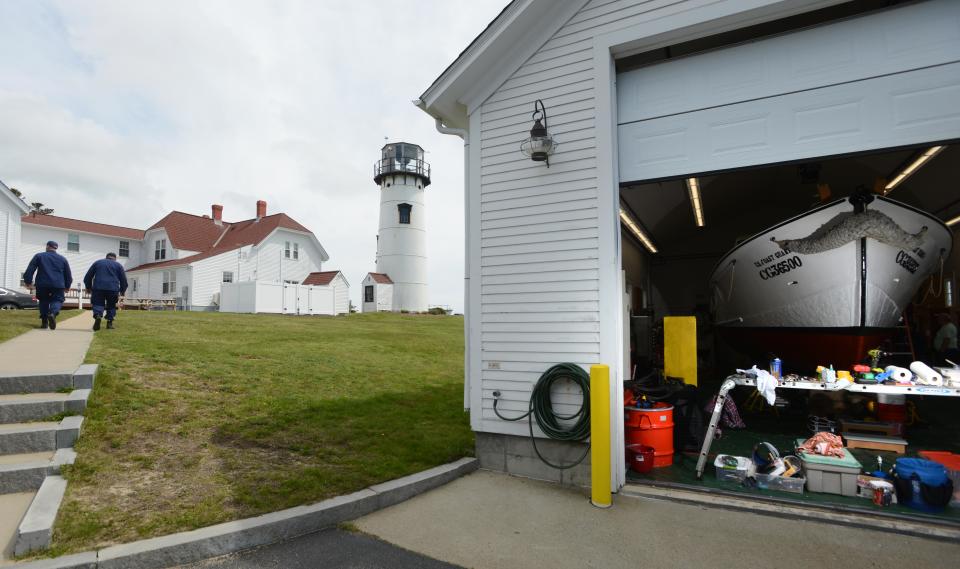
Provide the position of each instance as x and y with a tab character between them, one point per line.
53	271
106	274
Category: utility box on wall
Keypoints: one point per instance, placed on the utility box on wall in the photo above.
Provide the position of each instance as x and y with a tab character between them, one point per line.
680	348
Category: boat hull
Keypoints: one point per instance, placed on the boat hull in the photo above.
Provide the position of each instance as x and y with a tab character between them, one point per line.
862	283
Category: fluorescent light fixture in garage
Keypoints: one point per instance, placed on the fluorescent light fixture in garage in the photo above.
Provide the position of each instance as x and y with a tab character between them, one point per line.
693	189
634	228
954	221
905	173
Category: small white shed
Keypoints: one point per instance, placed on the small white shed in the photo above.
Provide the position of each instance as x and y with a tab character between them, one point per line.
326	293
377	293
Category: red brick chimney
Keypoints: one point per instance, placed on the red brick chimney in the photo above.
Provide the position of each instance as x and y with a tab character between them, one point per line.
261	209
217	211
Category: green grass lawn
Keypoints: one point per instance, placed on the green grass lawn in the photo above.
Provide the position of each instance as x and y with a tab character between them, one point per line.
203	418
16	322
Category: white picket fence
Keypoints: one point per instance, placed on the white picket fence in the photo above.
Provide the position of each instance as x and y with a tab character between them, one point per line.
277	298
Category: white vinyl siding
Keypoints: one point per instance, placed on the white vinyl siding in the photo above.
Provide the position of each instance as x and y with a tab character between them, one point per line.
534	261
32	238
538	292
10	230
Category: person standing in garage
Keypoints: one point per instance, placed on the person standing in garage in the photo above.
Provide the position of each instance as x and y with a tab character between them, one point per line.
107	282
53	280
945	342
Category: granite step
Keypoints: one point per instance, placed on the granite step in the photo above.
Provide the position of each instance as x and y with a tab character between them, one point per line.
51	382
26	472
29	407
39	436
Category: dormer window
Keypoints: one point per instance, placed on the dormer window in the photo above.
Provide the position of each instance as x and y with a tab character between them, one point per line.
404	210
160	250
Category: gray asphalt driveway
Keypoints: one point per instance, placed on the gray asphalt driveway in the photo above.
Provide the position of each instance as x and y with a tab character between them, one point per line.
329	549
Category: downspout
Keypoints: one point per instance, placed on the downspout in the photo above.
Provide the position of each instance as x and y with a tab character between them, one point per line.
462	133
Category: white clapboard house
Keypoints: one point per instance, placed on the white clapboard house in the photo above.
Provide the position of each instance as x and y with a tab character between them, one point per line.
11	210
647	102
185	258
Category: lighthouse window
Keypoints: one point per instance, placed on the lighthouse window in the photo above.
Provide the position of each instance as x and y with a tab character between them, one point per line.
404	210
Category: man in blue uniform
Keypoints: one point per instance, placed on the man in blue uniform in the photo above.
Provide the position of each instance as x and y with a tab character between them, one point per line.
107	282
53	280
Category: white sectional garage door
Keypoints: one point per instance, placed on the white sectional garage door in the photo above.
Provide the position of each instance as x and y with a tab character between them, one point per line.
876	81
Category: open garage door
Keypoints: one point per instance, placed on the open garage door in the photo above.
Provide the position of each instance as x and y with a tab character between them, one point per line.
883	80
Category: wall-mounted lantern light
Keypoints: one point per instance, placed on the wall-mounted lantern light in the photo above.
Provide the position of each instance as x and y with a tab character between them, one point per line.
540	145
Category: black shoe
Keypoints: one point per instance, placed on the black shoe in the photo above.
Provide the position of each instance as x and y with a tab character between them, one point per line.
43	323
109	324
96	323
52	320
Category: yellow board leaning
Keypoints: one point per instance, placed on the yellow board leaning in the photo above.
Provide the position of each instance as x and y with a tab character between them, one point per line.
680	348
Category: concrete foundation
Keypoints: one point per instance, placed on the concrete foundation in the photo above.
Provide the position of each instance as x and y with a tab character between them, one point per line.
516	455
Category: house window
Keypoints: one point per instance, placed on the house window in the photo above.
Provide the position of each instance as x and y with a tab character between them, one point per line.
169	282
286	251
228	276
368	293
124	250
404	210
73	242
160	252
296	251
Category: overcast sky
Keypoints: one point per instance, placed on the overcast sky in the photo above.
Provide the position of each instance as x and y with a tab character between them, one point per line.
119	112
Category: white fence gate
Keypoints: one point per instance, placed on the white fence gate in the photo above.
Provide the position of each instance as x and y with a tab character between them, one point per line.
277	298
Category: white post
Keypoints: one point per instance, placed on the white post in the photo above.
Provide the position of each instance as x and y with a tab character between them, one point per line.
80	296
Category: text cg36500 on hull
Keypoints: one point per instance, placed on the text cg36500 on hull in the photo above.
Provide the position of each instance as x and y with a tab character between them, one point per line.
834	280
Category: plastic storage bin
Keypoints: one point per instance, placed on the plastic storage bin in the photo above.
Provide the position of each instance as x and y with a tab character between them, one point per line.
830	475
793	484
732	474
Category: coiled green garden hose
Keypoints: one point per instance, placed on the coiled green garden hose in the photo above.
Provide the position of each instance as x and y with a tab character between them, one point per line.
541	409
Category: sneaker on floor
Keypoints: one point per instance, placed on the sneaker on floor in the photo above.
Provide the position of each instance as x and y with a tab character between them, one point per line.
43	323
96	323
52	320
109	324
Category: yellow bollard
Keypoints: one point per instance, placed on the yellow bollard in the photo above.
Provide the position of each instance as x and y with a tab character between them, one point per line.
600	436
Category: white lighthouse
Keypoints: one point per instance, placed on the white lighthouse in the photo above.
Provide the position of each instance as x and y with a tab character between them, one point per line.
402	176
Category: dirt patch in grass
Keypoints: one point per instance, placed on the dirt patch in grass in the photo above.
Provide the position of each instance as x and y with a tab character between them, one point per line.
198	419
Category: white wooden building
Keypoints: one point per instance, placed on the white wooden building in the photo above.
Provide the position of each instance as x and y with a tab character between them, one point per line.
188	256
80	242
185	257
644	95
12	207
377	293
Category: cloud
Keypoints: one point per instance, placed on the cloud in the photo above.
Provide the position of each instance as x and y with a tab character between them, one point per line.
120	111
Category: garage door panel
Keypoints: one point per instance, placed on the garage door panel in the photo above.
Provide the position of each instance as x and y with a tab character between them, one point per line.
903	109
889	42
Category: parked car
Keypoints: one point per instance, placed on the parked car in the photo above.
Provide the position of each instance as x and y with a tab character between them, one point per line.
12	300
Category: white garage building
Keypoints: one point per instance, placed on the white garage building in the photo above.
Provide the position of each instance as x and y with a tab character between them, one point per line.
647	94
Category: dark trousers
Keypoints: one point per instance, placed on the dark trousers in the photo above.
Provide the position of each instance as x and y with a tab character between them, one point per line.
51	299
104	299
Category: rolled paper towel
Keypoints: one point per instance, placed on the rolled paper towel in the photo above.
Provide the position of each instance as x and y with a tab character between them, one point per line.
901	375
925	374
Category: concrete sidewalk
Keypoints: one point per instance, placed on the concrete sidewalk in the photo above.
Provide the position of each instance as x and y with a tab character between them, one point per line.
48	351
490	520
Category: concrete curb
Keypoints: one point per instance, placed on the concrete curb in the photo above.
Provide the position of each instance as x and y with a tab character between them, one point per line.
231	537
36	527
